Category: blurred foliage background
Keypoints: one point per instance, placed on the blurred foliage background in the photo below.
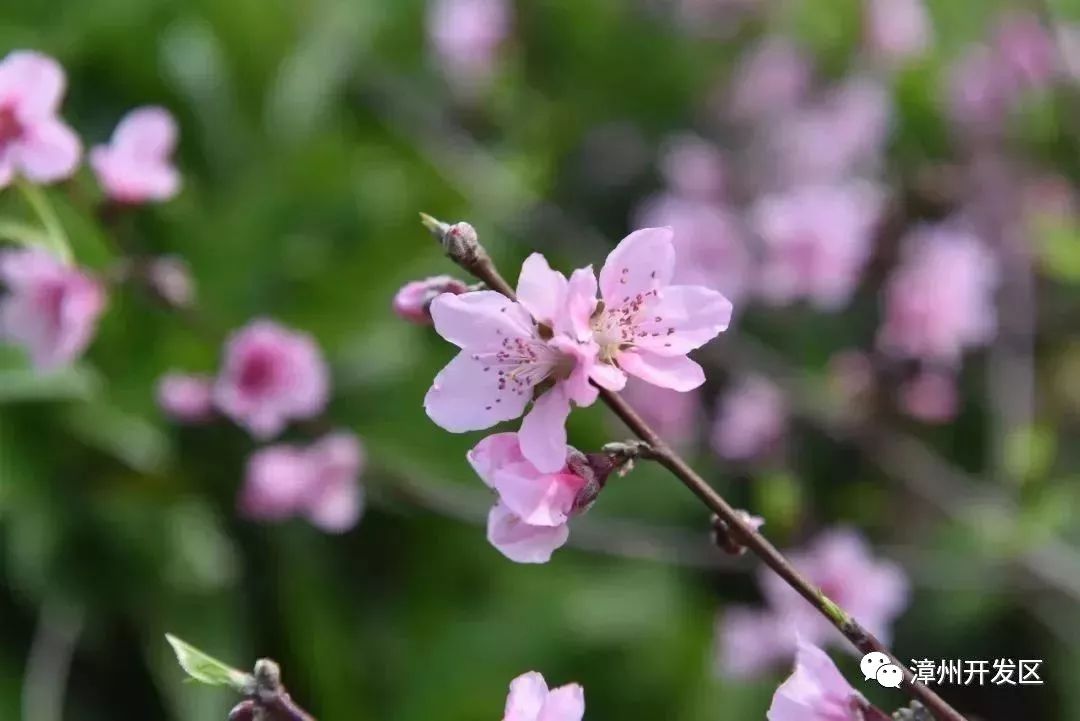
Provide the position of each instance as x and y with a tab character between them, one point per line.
312	132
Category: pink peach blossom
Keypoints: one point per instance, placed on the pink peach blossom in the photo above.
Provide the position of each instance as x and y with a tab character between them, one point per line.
816	691
187	398
841	564
751	420
978	96
710	242
412	302
1025	51
771	79
752	641
136	165
645	327
675	416
940	300
49	308
897	29
466	36
530	700
505	356
318	482
693	167
271	375
34	141
931	397
816	241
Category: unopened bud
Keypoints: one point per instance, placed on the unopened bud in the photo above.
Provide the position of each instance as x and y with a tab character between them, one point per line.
413	301
595	469
914	711
459	241
170	278
730	539
243	711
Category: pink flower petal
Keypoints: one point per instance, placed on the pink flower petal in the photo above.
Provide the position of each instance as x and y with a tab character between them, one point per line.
816	690
521	542
608	376
541	290
34	82
465	395
48	151
678	373
337	507
492	452
566	703
543	431
685	317
147	133
539	499
642	261
526	699
479	318
580	304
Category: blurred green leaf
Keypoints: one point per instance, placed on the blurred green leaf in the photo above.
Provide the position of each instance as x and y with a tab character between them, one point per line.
77	383
206	669
127	437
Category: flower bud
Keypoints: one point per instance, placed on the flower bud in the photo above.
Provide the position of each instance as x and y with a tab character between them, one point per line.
170	278
729	539
413	301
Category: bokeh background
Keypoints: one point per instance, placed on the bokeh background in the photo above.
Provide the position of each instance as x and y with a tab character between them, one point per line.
313	131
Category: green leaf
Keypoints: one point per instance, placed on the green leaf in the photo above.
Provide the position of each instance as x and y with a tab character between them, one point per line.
206	669
125	436
54	236
24	234
26	384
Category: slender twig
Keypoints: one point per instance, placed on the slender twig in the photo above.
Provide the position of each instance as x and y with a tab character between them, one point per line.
461	245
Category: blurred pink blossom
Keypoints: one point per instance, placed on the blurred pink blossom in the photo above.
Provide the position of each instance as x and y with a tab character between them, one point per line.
170	277
978	98
940	300
851	375
34	141
770	80
466	36
185	397
412	302
816	241
504	357
318	482
49	308
529	521
675	416
841	564
840	135
751	420
1025	51
931	397
136	166
693	167
710	242
897	29
751	642
816	691
530	700
271	375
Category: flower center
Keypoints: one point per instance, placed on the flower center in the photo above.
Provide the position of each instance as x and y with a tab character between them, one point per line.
258	373
619	328
10	127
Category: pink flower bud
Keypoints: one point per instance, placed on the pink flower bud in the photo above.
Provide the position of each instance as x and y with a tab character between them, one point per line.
49	308
413	301
34	141
170	278
136	166
187	398
271	375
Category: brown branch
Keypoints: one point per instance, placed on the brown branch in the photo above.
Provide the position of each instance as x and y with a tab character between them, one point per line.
462	246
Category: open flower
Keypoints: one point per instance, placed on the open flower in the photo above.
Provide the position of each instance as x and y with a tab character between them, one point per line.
643	325
318	482
509	350
33	139
271	375
136	166
530	519
531	700
49	308
751	420
816	691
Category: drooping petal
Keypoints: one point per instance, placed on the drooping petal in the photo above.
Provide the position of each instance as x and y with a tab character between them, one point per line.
539	499
541	290
643	261
579	305
35	83
526	698
685	317
678	373
493	452
479	319
566	703
543	431
49	151
521	542
465	395
608	376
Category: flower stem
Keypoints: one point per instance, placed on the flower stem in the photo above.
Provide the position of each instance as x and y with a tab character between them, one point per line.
471	256
57	239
